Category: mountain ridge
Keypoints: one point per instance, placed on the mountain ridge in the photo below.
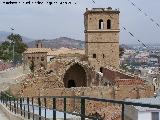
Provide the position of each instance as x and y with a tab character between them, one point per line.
58	43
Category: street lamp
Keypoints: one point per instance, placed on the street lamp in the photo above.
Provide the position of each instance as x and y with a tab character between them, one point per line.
12	43
12	29
13	50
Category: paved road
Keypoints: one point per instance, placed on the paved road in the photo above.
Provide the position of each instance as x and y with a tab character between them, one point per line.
2	116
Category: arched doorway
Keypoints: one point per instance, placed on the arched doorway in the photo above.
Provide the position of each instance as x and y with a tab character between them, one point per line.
75	76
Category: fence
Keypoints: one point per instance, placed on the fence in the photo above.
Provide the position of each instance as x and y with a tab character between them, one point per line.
38	108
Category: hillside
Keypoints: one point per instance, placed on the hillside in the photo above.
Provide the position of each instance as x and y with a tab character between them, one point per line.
60	42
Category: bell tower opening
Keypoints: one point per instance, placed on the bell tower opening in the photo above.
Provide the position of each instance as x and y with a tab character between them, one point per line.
101	24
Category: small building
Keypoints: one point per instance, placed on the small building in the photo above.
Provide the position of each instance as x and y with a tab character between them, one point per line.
48	54
37	55
143	113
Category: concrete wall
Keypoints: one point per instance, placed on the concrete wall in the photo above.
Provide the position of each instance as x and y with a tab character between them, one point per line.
131	113
146	115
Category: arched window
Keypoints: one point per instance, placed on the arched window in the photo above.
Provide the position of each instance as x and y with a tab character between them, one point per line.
101	24
108	24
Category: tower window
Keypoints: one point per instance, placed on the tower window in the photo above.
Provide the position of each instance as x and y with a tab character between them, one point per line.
94	55
42	58
108	24
101	24
103	55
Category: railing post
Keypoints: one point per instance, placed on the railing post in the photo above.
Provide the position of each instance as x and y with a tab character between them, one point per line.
28	108
54	108
33	107
17	105
122	111
10	103
6	100
21	106
64	108
82	108
1	97
14	105
39	104
24	109
45	108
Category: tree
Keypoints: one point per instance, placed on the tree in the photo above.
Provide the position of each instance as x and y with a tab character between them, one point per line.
6	48
20	47
5	53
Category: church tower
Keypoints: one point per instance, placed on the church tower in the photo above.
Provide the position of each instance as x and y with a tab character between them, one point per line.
102	37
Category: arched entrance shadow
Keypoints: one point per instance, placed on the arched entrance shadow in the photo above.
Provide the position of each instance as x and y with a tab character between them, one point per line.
75	76
71	83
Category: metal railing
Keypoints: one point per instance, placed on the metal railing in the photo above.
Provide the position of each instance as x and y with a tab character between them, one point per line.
33	107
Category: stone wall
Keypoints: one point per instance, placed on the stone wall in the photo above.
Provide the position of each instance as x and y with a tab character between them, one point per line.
113	74
117	92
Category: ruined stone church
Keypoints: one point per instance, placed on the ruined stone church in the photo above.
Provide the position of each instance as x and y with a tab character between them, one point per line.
97	69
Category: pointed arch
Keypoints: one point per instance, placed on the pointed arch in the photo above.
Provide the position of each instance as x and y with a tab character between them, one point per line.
75	76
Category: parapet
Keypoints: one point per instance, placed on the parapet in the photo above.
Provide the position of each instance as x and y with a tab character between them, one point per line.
108	10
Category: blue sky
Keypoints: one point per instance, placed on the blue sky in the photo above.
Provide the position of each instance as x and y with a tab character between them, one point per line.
44	21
